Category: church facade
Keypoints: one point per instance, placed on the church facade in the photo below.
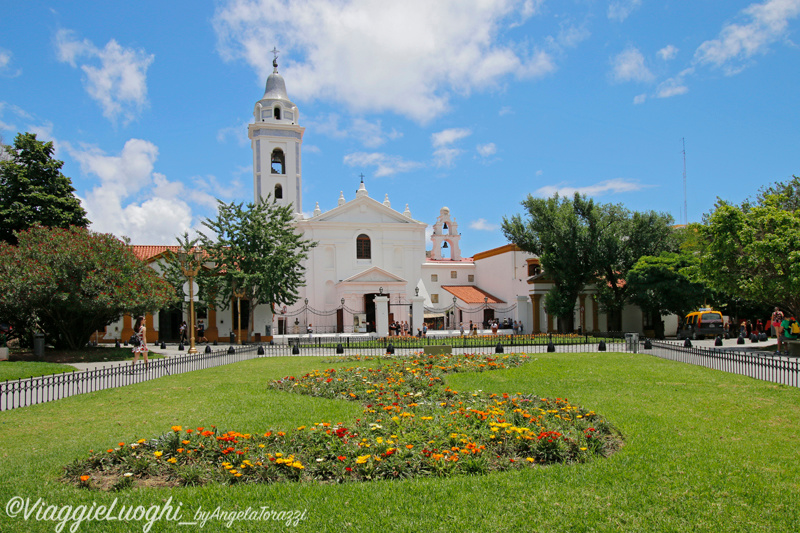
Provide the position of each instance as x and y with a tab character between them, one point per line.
372	267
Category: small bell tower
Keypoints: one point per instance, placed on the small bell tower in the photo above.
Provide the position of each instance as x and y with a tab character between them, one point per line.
276	139
446	237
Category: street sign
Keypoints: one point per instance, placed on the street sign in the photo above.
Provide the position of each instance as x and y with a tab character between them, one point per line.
186	291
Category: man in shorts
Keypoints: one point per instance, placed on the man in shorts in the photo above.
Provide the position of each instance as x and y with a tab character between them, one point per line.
786	335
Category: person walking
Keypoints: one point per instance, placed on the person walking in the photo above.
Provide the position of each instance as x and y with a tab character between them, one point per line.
140	330
775	321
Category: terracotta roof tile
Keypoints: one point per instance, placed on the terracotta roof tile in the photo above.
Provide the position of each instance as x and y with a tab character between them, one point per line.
150	252
470	294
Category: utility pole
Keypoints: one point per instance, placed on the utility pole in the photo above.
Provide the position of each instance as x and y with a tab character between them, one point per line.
685	212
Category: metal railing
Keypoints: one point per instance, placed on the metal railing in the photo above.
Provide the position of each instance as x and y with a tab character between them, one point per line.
40	389
757	365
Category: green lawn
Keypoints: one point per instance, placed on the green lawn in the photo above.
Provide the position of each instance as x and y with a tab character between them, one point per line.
11	370
704	451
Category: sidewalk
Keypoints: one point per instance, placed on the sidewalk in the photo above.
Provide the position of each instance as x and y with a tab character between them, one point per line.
171	350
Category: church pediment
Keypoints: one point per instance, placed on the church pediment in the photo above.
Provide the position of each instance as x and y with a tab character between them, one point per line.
363	211
375	275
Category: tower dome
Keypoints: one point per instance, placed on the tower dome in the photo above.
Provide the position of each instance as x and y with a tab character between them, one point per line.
275	105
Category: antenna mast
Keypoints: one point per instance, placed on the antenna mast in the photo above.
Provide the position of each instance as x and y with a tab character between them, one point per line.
685	212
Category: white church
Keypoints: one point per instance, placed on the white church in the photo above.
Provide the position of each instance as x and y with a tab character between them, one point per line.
370	268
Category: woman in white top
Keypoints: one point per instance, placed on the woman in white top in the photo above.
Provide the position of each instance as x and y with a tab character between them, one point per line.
140	330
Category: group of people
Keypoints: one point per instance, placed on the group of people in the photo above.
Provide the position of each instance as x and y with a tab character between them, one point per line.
200	332
399	329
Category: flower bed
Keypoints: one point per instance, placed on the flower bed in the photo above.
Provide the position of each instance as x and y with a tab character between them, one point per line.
412	425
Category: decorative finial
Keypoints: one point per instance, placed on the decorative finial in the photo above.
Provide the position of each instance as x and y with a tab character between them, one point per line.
275	59
362	177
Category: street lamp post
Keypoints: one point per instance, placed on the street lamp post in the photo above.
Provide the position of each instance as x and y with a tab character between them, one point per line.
239	294
190	266
453	321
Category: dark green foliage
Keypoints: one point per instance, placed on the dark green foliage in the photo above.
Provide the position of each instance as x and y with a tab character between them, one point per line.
254	249
33	191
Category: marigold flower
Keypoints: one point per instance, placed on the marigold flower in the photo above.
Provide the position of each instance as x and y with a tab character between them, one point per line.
172	460
84	478
158	454
177	428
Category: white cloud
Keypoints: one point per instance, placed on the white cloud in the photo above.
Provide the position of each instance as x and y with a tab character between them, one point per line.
671	87
449	136
629	65
134	201
639	99
482	225
619	10
406	57
237	132
371	134
116	77
668	52
570	36
387	165
765	24
602	188
486	150
6	61
445	155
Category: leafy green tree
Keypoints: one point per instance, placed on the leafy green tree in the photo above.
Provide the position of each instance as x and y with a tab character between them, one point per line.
629	236
33	191
660	285
752	251
68	283
564	234
256	250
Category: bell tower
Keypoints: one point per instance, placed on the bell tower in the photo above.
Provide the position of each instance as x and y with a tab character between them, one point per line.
276	140
445	235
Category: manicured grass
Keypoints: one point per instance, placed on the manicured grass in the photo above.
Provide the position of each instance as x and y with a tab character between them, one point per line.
11	370
704	451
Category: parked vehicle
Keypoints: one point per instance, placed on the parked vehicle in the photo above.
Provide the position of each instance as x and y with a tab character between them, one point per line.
699	324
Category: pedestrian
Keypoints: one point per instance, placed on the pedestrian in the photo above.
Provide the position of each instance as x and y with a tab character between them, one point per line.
182	332
776	319
140	330
461	328
424	329
310	330
494	327
786	334
201	333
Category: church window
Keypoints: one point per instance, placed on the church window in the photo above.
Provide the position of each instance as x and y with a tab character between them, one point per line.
363	250
471	278
434	277
278	191
453	274
434	298
277	113
278	161
444	228
534	269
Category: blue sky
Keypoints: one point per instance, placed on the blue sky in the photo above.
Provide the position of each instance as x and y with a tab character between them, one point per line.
465	103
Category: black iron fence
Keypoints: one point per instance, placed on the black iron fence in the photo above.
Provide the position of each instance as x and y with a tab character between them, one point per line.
31	391
757	365
332	345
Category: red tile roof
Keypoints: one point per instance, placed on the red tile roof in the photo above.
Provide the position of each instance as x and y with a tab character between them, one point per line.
150	252
470	294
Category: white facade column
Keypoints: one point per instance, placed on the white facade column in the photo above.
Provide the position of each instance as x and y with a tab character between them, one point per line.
418	311
382	316
523	314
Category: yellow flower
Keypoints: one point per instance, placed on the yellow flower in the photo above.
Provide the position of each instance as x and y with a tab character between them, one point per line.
158	454
177	428
298	464
172	460
530	459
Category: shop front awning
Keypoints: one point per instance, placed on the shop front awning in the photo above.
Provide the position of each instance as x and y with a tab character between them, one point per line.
433	315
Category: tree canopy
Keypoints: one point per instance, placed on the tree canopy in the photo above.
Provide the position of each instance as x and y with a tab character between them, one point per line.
33	191
68	283
753	250
564	234
580	242
255	249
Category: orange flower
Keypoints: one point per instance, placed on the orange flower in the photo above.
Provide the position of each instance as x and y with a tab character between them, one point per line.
84	478
409	446
177	428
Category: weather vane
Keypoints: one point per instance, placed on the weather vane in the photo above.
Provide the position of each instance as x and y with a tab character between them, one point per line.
275	59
